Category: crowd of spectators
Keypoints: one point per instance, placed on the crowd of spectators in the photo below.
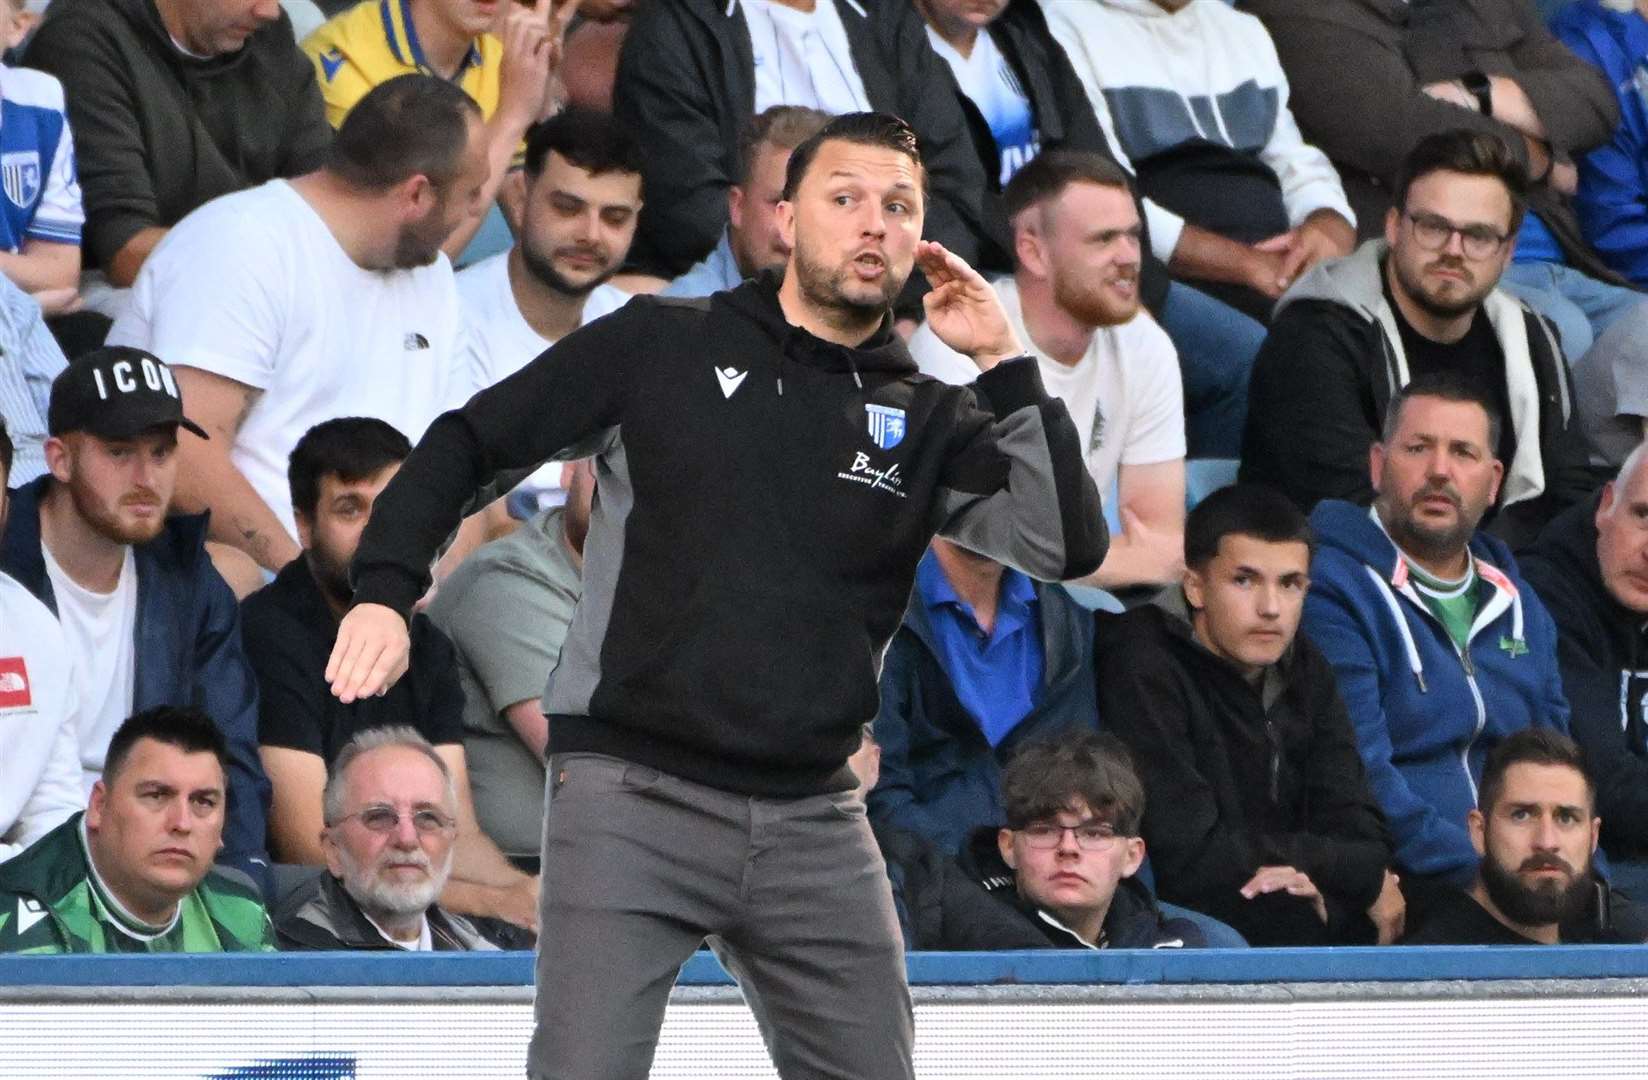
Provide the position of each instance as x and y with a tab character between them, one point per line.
1343	299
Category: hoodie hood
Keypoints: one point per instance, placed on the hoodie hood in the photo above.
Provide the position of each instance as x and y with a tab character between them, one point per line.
1356	281
757	300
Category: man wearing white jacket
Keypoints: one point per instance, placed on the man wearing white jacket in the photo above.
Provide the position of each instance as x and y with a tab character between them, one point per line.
1194	102
39	750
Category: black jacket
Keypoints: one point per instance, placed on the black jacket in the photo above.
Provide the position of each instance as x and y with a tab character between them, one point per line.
1329	368
321	915
764	499
157	133
1063	118
1238	778
939	906
686	87
1133	921
1602	650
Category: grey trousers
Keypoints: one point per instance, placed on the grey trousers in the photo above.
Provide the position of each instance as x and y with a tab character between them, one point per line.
640	868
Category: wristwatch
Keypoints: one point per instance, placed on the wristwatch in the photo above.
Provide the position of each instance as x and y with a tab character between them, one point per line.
1481	89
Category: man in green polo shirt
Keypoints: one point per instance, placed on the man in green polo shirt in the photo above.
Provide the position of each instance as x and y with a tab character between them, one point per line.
134	872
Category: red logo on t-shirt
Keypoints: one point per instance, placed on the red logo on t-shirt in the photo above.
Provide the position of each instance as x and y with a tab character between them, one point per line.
14	683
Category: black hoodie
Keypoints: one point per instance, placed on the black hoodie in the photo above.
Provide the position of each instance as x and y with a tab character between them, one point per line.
1602	652
764	497
156	132
1240	777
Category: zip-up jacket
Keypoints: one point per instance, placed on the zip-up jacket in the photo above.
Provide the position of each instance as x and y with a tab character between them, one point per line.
1063	119
1602	650
1241	777
1334	359
188	652
1427	713
1358	92
940	776
322	915
158	133
1133	921
939	906
764	499
686	87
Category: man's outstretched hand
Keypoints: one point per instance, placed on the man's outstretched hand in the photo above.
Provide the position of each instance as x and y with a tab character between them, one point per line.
963	310
370	654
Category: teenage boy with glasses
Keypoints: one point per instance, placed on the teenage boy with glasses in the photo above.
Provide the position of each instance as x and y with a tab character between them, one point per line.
1422	299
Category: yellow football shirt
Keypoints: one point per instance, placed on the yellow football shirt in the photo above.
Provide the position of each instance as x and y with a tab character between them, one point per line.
374	41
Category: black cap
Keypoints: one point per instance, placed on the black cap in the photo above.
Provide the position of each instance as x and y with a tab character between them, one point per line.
116	392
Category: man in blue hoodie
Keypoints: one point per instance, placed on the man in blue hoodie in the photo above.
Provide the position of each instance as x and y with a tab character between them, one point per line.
1440	649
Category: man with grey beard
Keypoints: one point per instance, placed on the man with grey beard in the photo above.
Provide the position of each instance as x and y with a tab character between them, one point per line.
1074	300
391	817
1536	830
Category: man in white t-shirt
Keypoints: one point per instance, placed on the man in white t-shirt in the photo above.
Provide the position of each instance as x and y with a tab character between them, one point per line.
1074	298
582	195
298	301
39	755
145	616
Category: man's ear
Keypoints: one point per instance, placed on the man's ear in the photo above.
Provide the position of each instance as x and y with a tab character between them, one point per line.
512	200
1004	844
1135	856
1376	463
329	846
1393	223
1029	248
1478	826
306	527
94	806
1194	589
784	216
59	458
735	206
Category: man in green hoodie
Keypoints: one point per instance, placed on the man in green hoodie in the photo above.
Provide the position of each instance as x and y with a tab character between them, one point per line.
134	872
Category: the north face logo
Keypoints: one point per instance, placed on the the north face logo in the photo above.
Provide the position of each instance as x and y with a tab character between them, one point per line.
14	683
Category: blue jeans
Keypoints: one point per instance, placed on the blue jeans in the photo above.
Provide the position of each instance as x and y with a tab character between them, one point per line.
1580	306
1216	345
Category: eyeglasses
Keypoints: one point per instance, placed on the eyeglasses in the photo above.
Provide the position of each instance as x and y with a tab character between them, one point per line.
384	819
1433	234
1090	835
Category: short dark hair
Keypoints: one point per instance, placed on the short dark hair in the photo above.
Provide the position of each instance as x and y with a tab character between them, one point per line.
6	452
1047	175
409	126
349	447
1473	153
864	129
592	141
1531	746
1243	510
782	126
1049	775
190	730
1447	386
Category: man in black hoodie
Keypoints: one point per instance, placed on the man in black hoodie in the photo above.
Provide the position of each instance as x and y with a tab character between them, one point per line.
173	103
1590	567
770	469
1263	818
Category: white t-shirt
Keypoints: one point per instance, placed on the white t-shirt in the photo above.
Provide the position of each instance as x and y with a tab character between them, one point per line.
803	58
101	632
39	722
425	942
254	287
498	342
1124	395
992	85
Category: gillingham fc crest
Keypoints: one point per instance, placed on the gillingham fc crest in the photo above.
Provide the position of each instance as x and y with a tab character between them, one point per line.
886	425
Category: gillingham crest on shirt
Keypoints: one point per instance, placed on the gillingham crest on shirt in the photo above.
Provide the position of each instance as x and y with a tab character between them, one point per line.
886	425
20	176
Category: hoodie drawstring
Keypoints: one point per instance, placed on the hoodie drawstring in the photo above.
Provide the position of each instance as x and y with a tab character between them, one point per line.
1414	662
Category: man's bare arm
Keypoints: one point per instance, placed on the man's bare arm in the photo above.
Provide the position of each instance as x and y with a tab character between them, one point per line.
295	821
207	478
483	881
122	269
42	266
530	724
1150	548
1211	257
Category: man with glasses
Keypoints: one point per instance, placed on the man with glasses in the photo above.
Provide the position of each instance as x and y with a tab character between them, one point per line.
391	816
1423	299
1068	857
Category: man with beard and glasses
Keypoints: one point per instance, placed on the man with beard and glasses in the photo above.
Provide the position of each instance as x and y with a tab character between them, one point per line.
703	708
391	813
1423	299
336	472
582	192
1074	300
1440	650
147	618
1535	832
283	305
